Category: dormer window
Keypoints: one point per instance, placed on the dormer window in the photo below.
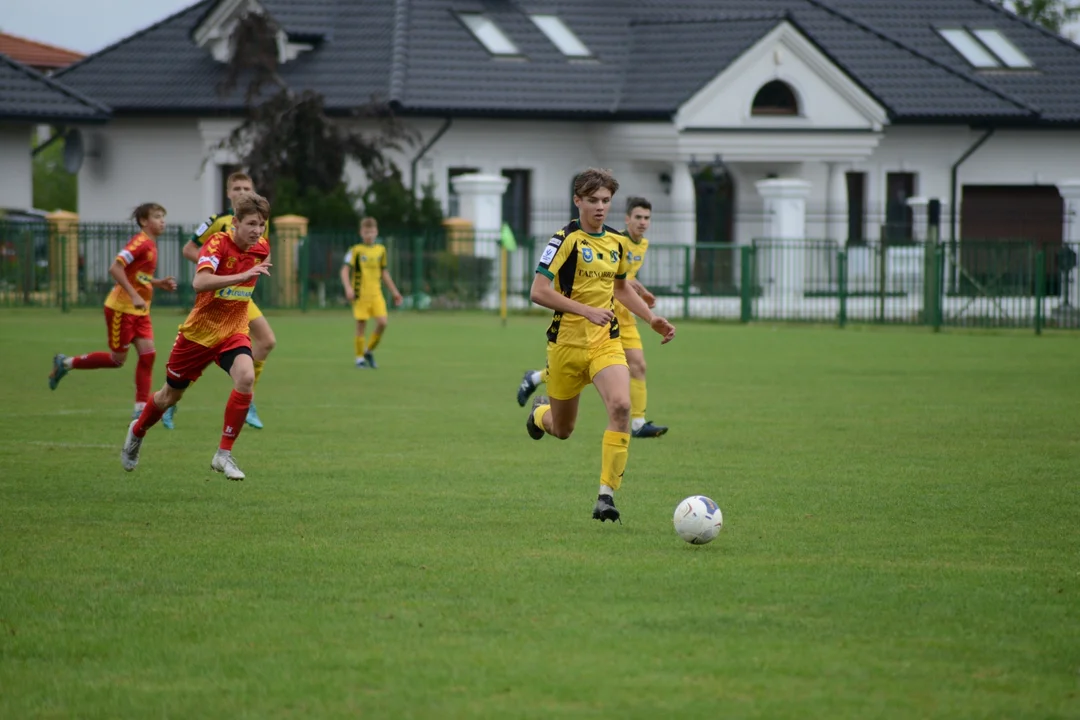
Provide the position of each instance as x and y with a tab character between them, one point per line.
986	49
488	34
561	36
775	98
215	32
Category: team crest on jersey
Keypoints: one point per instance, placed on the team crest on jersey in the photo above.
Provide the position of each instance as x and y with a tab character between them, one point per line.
230	263
614	256
587	254
363	258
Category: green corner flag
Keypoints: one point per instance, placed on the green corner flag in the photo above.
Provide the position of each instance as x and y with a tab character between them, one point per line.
507	238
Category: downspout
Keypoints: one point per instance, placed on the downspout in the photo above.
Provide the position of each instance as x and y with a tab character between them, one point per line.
423	151
954	172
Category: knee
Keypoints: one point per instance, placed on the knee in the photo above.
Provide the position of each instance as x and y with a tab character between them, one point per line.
243	380
562	430
268	342
380	325
167	396
637	370
119	358
619	408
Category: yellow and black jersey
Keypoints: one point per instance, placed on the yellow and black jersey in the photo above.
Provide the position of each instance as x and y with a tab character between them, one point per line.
635	253
215	224
366	264
584	267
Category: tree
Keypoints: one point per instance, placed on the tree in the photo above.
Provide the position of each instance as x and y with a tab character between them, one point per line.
287	142
1051	14
54	187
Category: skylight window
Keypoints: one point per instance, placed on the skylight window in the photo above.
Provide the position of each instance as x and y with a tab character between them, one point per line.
1003	48
561	36
972	50
986	48
488	34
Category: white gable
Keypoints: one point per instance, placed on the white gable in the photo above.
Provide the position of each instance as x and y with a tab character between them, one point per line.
828	99
215	31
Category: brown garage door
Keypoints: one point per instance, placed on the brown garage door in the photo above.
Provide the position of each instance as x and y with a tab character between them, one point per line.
1002	226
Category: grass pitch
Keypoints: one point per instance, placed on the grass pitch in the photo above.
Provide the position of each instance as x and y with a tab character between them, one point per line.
901	532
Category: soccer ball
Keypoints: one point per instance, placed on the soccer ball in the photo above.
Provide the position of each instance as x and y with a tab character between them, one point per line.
698	520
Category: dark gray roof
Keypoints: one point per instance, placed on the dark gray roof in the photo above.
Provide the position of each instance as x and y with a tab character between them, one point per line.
26	94
649	57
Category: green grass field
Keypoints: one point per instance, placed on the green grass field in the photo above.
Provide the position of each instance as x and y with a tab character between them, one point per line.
902	533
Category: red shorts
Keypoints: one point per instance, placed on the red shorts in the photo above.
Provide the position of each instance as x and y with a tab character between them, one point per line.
122	328
188	359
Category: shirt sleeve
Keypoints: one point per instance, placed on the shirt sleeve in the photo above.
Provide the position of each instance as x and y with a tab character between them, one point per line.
555	254
211	255
624	261
135	249
348	257
204	231
382	260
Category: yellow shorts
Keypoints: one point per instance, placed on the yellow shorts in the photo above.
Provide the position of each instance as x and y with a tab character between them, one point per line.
570	369
629	336
254	313
369	307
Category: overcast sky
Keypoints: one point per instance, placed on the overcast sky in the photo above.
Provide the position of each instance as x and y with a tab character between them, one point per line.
83	25
89	25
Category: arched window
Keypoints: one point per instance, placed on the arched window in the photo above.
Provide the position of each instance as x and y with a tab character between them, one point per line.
775	98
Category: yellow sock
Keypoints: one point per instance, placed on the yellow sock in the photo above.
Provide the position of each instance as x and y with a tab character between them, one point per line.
544	375
258	371
613	456
637	398
358	341
375	338
538	416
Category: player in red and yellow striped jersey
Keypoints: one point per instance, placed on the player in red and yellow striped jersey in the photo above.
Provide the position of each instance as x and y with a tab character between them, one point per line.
127	308
216	330
259	330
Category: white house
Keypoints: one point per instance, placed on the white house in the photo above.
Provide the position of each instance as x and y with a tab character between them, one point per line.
869	104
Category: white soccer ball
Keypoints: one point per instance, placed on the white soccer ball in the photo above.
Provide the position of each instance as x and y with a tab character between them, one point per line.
698	520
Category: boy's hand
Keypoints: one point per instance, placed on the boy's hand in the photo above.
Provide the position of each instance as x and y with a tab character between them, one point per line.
349	294
262	268
167	283
397	299
599	316
649	299
662	327
137	302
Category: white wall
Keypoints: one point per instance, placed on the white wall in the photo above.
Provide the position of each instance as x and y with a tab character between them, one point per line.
16	168
146	160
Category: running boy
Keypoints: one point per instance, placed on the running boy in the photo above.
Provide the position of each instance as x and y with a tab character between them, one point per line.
588	262
127	308
216	330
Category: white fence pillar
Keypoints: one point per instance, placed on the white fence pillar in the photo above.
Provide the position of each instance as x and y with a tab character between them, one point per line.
480	202
782	269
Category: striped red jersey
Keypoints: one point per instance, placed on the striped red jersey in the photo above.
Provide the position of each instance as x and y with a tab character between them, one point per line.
220	314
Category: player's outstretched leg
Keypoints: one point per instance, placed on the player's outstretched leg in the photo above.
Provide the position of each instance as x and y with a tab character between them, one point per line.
59	370
529	382
168	418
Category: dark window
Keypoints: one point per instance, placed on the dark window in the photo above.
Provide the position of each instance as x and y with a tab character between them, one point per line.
775	98
515	202
453	207
856	208
899	220
225	171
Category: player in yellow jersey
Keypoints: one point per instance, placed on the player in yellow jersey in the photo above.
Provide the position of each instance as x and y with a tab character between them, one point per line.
260	332
363	272
582	272
638	217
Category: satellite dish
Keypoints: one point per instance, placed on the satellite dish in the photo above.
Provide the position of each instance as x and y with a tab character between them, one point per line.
73	151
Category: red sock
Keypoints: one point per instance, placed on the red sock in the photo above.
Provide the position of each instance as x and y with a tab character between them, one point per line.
144	373
235	414
94	361
149	417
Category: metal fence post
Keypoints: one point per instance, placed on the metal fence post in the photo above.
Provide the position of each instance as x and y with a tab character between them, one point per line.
417	269
1040	289
305	271
841	286
687	279
937	295
883	251
746	284
63	274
